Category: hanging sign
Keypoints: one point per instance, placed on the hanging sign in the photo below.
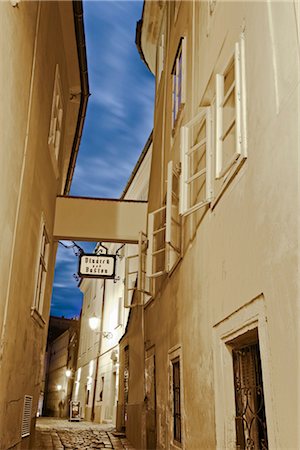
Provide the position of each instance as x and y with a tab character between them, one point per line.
97	266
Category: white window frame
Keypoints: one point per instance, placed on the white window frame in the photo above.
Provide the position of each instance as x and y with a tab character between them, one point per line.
56	121
152	253
187	149
141	284
41	269
225	169
173	251
179	85
251	316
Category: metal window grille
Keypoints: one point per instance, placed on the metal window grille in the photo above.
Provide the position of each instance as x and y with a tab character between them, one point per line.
126	381
230	113
176	400
26	418
196	156
250	420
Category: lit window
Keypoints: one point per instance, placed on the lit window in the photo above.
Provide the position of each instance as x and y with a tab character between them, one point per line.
178	81
55	131
42	271
230	114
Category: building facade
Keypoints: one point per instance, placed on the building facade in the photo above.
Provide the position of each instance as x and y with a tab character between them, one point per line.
212	358
97	375
44	91
61	359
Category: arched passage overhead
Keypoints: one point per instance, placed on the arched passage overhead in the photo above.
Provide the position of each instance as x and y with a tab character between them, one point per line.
98	219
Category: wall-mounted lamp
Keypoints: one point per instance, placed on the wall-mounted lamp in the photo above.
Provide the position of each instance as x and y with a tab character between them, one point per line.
68	373
94	323
59	387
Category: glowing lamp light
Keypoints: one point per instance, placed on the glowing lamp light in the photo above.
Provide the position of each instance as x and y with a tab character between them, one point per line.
68	373
58	387
94	322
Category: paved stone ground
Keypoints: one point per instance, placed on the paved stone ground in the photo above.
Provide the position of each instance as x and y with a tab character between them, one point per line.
60	434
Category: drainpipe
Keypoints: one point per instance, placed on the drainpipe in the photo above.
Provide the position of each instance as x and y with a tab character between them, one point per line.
98	354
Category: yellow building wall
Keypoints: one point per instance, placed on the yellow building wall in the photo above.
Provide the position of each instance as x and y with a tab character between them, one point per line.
31	46
244	247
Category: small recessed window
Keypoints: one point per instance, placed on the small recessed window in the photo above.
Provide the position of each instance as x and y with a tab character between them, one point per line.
176	400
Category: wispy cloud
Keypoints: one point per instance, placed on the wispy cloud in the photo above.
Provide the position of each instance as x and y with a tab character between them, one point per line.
118	123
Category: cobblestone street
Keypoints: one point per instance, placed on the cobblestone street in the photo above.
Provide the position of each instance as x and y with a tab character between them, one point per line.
60	434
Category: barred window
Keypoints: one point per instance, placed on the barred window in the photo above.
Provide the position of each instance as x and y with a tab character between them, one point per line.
250	420
176	400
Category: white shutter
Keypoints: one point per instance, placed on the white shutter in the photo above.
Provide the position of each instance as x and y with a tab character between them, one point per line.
238	119
173	220
196	156
156	243
130	279
26	418
135	275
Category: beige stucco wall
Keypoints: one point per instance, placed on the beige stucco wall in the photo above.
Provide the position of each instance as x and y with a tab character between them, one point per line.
31	46
247	244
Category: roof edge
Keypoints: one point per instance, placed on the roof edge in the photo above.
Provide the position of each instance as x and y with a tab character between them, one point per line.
85	93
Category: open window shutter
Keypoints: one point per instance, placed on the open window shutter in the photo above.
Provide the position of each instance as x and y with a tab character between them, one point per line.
130	279
144	284
135	275
196	156
219	123
224	128
237	75
184	167
156	243
173	220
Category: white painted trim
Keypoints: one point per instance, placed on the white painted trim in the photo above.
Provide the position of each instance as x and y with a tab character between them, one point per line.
249	317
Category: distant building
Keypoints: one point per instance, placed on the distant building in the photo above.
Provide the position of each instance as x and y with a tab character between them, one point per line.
61	359
44	92
211	360
97	376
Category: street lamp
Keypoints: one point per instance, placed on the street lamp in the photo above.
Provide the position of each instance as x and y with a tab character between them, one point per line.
94	323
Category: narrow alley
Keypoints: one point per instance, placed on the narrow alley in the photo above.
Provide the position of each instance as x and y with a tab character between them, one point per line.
59	434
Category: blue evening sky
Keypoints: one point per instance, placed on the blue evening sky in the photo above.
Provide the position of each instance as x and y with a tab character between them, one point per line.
118	123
